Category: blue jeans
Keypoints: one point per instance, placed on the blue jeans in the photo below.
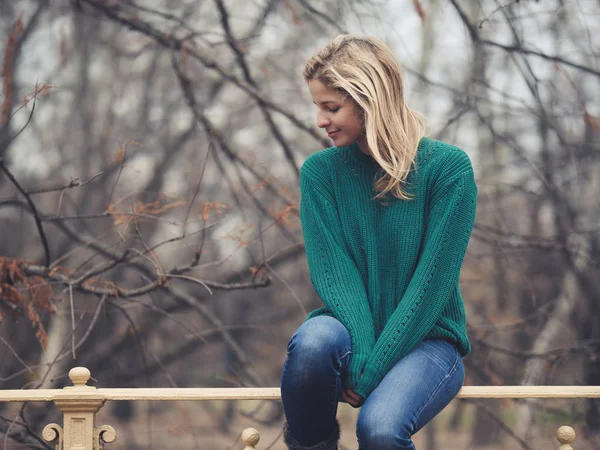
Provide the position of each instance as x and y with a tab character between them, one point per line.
412	393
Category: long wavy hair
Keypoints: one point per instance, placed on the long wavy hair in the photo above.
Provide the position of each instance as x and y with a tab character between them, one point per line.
366	70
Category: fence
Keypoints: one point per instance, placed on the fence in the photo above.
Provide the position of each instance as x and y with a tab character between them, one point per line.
80	402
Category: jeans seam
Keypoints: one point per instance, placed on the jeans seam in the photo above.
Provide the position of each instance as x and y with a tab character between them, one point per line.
437	388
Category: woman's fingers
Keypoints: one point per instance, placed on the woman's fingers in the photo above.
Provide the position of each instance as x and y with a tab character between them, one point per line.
351	397
346	398
357	400
343	396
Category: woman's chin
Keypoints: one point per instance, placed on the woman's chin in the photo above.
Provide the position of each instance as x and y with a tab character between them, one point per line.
341	142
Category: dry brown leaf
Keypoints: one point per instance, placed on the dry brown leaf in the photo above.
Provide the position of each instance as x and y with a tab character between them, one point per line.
15	31
26	293
209	207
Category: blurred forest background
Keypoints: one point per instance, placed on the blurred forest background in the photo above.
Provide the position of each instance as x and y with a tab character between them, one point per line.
149	190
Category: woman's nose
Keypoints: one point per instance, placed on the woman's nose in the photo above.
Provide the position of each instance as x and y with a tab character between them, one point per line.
322	120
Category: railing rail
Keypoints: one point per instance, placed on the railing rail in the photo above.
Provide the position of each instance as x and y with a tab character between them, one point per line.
194	394
80	402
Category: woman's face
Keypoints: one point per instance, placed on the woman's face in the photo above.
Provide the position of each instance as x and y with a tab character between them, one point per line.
338	115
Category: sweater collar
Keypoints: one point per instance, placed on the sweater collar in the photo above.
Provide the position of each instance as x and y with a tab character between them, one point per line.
353	151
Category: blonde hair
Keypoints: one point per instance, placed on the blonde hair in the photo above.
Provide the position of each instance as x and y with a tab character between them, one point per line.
365	69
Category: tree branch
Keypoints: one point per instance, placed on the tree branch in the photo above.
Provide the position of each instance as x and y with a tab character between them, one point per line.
36	216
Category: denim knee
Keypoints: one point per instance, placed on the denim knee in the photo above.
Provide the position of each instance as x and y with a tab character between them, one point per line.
319	342
376	429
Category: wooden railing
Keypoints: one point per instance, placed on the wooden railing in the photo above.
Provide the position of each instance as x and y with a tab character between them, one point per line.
80	402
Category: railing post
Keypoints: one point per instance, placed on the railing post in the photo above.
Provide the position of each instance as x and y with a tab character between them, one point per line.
566	436
250	438
79	404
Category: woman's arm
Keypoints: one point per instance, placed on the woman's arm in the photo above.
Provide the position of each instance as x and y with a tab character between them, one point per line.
450	222
333	271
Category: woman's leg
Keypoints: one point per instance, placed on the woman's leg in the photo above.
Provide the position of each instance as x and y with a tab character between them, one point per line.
310	381
417	388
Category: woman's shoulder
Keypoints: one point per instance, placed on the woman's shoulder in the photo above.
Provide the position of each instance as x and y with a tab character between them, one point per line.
441	159
320	162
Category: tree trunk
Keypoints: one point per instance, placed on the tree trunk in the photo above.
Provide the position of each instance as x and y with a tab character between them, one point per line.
59	331
535	368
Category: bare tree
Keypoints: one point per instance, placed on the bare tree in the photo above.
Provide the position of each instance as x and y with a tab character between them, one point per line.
150	153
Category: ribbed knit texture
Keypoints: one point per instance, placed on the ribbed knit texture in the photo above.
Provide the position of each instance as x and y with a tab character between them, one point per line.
388	270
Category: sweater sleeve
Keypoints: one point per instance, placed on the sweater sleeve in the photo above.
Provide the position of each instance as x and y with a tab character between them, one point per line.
450	222
333	271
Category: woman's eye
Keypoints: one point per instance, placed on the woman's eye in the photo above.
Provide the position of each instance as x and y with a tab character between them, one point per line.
334	109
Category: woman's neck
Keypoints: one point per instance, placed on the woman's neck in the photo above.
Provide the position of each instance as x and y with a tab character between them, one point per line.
362	144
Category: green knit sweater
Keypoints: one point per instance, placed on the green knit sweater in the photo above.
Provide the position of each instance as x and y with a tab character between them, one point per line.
388	272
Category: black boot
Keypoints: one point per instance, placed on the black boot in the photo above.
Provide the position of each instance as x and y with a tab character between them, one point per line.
329	444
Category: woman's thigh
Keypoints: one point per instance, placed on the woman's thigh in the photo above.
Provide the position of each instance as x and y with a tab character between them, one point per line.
417	388
310	380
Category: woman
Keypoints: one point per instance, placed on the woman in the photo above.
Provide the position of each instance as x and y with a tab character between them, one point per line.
386	215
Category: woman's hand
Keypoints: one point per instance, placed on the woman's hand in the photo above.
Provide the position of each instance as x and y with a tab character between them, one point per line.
351	397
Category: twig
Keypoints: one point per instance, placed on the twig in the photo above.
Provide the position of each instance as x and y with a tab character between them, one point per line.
121	165
109	215
289	288
72	320
556	59
16	355
34	211
150	255
551	354
75	182
502	425
204	164
192	279
222	286
101	268
16	135
330	21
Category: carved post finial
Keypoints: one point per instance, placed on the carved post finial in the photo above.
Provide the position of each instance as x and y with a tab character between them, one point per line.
250	438
566	436
79	376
